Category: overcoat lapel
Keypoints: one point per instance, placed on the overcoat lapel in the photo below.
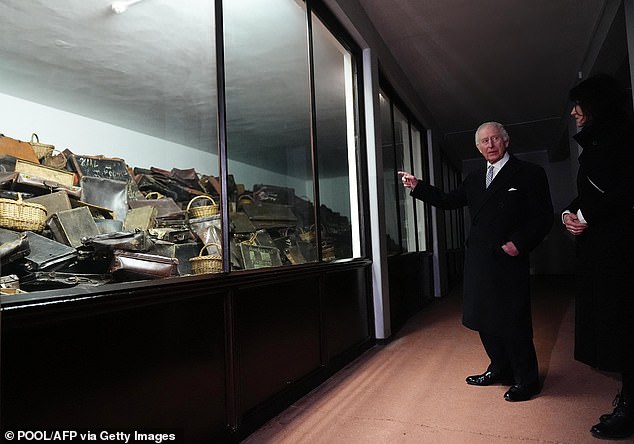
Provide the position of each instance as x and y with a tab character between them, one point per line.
499	183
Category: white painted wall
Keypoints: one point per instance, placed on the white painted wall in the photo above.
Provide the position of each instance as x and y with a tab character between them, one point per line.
20	118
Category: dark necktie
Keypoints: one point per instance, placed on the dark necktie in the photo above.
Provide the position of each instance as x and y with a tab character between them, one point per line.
489	177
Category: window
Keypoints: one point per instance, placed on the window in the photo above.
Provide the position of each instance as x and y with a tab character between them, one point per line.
403	154
272	142
389	176
419	169
109	92
454	223
454	219
336	131
133	113
402	149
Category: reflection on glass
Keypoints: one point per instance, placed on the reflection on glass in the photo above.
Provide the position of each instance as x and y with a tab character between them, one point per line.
456	239
389	176
268	120
335	129
421	208
448	215
403	159
403	150
268	134
139	101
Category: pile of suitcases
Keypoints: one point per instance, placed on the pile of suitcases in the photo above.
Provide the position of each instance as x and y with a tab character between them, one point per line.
93	220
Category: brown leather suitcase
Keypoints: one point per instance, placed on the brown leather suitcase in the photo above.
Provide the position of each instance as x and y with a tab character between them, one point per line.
13	250
106	193
270	215
183	252
165	207
128	264
17	149
71	226
47	254
34	169
259	256
49	280
54	202
141	218
121	240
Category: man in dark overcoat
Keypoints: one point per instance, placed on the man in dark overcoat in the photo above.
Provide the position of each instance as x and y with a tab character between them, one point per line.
511	212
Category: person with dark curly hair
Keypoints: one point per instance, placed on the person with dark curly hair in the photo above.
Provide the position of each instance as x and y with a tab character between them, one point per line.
601	218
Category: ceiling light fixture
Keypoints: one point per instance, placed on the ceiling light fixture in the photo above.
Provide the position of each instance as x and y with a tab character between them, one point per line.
122	6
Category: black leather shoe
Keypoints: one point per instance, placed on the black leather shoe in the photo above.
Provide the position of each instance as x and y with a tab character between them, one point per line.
489	378
615	404
605	417
522	392
617	425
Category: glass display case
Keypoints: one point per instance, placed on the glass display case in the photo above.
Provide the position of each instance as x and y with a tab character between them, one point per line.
195	259
280	138
114	148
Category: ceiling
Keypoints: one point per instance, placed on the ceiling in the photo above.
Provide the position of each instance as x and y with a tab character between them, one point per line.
505	60
151	70
148	70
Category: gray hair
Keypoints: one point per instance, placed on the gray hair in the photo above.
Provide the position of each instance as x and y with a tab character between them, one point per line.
499	126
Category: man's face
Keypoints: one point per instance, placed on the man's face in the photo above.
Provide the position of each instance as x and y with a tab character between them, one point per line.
491	144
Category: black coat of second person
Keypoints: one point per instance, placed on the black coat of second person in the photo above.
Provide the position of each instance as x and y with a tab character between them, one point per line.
604	325
516	207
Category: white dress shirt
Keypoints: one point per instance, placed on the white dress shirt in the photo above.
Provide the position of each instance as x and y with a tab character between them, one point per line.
497	166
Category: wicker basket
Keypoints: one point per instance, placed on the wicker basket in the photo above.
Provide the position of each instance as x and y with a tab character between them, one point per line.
41	149
22	216
54	160
206	264
327	252
311	235
154	195
245	199
202	210
308	236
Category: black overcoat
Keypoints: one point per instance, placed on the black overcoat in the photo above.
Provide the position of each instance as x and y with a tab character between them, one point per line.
516	207
604	323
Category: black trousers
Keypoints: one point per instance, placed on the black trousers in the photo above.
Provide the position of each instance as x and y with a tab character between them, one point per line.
512	356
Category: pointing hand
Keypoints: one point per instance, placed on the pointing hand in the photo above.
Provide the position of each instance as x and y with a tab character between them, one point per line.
409	180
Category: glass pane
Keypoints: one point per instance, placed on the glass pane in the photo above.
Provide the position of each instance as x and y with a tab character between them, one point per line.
389	180
446	176
419	171
135	98
457	237
403	159
336	150
268	133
